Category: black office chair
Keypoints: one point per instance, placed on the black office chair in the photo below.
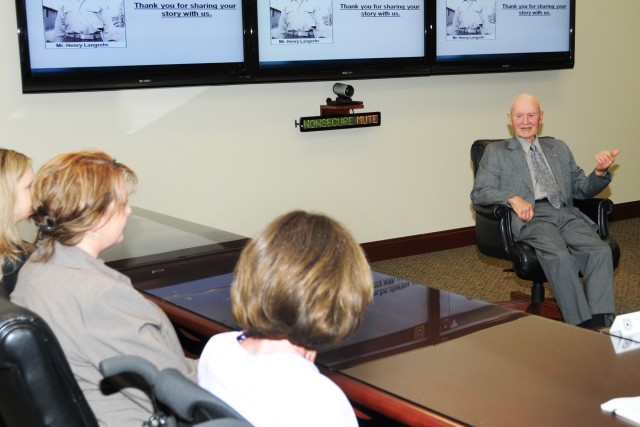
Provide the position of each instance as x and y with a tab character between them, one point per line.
37	387
494	239
188	402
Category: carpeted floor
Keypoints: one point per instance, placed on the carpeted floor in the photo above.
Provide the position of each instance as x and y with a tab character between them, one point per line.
467	272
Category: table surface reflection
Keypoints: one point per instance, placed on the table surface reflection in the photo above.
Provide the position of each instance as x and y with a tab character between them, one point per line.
474	362
155	238
402	315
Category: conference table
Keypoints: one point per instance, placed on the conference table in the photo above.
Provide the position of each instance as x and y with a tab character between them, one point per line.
423	356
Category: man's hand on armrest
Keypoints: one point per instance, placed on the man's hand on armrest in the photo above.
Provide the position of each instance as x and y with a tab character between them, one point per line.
521	207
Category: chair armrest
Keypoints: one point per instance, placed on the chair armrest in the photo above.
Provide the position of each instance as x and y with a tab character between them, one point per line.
598	210
117	365
525	262
493	221
184	398
189	401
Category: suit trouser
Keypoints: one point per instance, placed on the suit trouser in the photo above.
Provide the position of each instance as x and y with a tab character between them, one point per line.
567	245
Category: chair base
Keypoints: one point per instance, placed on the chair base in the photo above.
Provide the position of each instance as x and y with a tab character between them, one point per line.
522	302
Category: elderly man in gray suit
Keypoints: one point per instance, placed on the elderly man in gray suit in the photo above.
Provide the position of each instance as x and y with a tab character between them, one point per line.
538	178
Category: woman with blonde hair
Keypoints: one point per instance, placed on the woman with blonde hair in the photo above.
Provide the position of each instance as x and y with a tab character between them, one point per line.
16	176
301	283
81	208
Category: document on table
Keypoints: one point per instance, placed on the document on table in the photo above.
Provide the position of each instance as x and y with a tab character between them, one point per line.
624	407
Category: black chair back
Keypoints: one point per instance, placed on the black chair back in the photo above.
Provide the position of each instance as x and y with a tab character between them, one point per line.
477	150
37	387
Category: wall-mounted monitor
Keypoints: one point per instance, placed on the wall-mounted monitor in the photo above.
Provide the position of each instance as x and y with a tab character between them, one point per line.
490	35
73	45
327	39
113	44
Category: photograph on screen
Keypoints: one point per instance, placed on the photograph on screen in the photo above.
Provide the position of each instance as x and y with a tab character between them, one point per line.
309	20
471	19
89	21
327	30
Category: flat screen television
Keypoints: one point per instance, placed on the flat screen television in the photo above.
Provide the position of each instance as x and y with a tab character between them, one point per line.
112	44
327	39
491	36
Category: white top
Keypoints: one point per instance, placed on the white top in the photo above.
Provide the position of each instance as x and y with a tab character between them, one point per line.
276	390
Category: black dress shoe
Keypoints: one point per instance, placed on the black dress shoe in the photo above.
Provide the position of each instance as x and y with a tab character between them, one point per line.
588	324
597	321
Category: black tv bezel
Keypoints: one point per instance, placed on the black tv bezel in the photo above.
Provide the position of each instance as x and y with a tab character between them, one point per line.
495	63
127	77
336	69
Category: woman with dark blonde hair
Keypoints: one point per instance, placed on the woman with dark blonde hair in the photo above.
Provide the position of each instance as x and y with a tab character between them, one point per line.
16	176
301	283
81	208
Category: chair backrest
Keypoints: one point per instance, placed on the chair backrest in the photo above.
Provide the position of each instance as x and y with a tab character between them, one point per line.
37	387
477	150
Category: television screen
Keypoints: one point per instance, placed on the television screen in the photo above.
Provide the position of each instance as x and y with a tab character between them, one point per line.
323	39
492	35
102	44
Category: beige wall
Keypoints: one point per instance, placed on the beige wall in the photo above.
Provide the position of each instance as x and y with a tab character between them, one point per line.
230	156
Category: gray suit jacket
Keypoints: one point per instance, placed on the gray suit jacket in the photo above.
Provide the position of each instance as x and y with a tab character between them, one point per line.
96	313
504	173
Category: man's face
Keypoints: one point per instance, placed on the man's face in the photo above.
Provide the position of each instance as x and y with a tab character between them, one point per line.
525	117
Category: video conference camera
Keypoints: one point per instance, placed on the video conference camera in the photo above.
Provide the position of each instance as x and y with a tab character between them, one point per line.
344	93
342	89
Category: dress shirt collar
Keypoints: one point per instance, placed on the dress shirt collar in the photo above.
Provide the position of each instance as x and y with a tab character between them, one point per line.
526	145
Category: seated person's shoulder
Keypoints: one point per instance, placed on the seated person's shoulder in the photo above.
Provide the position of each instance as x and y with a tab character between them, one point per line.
558	144
551	140
497	147
497	144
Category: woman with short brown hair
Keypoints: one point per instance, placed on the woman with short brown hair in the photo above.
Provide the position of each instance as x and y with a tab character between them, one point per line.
301	283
